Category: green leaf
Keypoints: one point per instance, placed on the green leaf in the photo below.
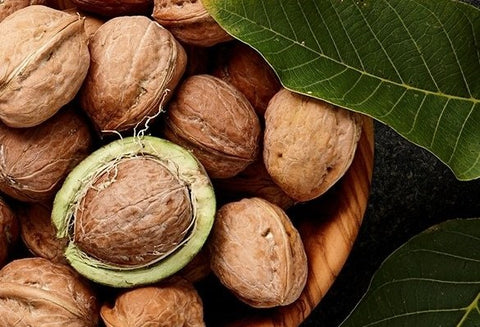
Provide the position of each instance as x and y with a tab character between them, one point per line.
412	64
431	281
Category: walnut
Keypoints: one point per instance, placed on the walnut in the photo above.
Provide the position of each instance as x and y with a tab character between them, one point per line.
308	143
257	253
173	303
136	63
110	8
215	121
9	6
9	230
44	60
91	23
60	4
190	22
37	292
34	161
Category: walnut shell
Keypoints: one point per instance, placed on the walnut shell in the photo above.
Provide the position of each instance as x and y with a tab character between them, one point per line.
248	71
91	23
9	231
122	90
257	253
110	8
190	22
34	161
215	121
38	233
44	60
8	7
308	143
136	211
170	304
37	292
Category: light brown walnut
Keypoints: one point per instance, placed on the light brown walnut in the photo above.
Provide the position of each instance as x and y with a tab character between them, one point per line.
136	64
7	7
173	303
215	121
308	144
190	22
9	230
44	60
34	161
37	292
257	253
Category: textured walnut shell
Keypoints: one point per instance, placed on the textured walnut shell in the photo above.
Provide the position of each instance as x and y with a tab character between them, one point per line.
136	211
121	90
253	181
246	69
257	253
37	292
190	22
38	233
34	161
8	7
171	304
112	8
91	23
44	61
308	143
9	230
215	121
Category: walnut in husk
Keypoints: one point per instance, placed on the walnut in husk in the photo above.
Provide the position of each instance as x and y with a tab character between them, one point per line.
9	230
215	121
257	253
136	63
8	7
308	143
37	292
44	60
34	161
174	303
135	211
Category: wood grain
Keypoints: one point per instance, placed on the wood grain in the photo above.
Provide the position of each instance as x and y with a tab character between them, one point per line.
329	228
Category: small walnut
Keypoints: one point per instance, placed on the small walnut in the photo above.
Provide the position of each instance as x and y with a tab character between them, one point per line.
7	7
110	8
44	60
9	231
34	161
136	63
244	68
37	292
38	233
173	303
190	22
215	121
308	143
257	253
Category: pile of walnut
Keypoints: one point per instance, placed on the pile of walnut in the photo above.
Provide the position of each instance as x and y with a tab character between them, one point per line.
75	76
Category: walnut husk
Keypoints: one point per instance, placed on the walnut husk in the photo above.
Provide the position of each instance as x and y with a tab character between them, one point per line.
170	304
44	60
308	144
215	121
8	7
122	90
190	22
37	292
257	253
34	161
9	230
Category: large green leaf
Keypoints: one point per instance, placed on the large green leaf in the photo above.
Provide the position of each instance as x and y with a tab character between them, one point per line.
431	281
413	64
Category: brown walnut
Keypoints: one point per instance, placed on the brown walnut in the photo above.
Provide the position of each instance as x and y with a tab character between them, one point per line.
7	7
172	303
44	60
37	292
215	121
190	22
308	143
136	63
110	8
9	230
257	253
34	161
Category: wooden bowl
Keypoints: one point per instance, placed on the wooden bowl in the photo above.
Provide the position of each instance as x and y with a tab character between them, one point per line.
329	227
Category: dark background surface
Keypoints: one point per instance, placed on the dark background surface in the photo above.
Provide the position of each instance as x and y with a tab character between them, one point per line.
411	191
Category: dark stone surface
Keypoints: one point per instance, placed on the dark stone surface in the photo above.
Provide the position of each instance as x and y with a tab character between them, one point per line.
411	191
